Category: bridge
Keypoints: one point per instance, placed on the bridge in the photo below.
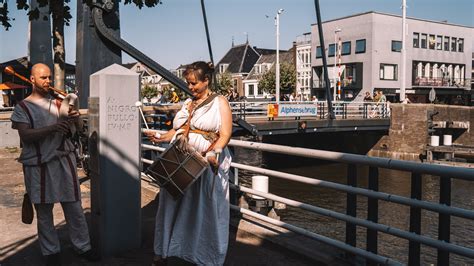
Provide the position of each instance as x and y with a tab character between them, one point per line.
121	174
253	118
350	215
259	238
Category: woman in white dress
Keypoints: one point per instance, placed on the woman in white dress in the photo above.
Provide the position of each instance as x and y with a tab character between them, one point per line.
196	226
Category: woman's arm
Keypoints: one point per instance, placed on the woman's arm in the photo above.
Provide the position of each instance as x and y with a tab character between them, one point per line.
157	138
225	131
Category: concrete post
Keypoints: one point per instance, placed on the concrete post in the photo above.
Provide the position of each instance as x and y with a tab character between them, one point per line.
115	159
93	52
40	43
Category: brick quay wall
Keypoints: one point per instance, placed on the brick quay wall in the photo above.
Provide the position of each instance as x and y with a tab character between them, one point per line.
408	134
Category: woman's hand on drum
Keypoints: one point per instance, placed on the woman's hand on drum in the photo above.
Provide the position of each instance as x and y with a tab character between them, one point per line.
153	136
213	158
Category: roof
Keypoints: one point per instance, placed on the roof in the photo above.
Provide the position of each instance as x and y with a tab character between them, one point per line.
263	51
393	15
23	66
129	65
144	70
11	86
285	57
240	58
17	64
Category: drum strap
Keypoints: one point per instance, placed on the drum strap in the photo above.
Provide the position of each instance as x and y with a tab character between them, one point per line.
208	135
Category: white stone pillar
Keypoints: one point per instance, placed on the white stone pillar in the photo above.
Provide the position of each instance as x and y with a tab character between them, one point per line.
457	74
427	70
115	160
419	73
435	72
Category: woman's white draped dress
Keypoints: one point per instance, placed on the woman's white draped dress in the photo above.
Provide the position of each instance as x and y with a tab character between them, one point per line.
196	226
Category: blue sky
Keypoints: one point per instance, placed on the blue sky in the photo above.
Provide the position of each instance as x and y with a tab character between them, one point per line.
173	33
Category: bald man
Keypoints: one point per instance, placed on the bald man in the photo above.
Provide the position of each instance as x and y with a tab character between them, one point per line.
50	173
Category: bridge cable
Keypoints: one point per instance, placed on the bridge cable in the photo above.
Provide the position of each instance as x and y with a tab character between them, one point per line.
242	123
214	80
325	63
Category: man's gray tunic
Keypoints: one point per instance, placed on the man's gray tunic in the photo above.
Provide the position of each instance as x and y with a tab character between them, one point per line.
49	165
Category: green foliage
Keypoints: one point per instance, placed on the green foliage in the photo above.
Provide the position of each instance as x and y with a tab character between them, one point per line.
149	92
34	13
224	83
168	93
287	79
140	3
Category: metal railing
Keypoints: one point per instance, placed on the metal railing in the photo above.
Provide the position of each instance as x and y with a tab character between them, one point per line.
6	109
342	109
442	82
414	236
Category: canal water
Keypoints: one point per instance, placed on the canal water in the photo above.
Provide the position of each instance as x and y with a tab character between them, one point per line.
391	214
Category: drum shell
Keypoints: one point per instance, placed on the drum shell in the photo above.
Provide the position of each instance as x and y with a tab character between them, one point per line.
176	169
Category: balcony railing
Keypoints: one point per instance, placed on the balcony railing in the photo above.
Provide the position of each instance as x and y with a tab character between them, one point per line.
442	82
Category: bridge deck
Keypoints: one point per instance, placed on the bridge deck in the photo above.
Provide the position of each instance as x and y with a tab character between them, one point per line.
291	125
19	245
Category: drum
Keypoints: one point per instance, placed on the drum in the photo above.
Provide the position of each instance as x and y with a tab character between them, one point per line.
177	168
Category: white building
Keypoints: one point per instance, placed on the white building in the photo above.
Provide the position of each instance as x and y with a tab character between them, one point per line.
147	76
303	66
438	56
263	65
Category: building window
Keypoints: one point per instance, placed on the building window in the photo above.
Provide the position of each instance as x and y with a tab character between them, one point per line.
454	41
251	89
180	72
319	53
388	72
446	43
424	40
346	48
260	91
332	50
396	46
349	75
257	69
223	68
267	67
360	46
235	84
432	42
416	40
439	42
461	45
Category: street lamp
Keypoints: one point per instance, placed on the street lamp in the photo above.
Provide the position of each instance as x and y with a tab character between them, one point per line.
403	53
336	31
277	66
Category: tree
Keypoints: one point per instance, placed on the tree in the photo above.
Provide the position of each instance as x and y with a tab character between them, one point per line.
224	82
61	15
149	92
287	79
173	94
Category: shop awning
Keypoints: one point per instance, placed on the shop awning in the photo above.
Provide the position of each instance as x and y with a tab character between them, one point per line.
11	86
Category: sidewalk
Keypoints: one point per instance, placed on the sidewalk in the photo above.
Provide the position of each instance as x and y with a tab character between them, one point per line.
19	246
